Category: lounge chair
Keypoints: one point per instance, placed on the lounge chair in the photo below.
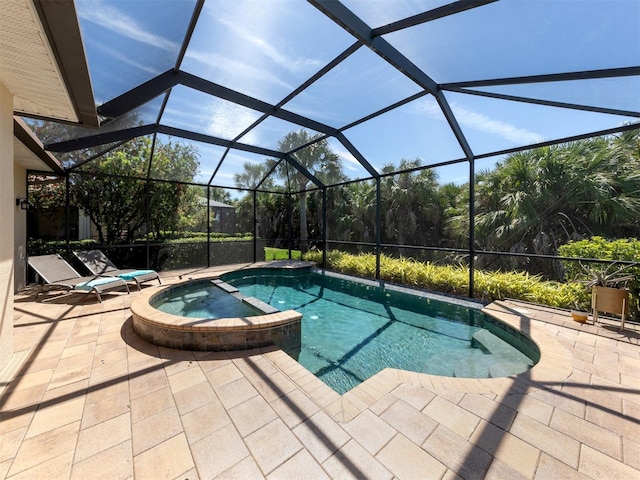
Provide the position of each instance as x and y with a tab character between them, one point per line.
98	264
56	273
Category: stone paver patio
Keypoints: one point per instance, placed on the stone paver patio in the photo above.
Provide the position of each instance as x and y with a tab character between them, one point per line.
84	397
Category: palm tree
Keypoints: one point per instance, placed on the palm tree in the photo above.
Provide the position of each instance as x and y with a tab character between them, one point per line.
413	215
252	174
454	201
355	213
536	200
318	159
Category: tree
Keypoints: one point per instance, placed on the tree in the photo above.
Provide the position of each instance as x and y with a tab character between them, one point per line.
318	159
536	200
113	202
252	176
173	204
412	213
353	211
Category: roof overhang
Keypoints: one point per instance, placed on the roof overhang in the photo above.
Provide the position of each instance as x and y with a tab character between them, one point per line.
43	63
29	151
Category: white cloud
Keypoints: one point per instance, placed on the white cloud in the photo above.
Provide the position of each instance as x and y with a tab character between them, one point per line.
235	73
349	161
118	22
226	120
481	122
248	46
262	47
485	124
124	58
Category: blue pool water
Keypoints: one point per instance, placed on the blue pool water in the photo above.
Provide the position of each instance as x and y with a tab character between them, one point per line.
202	299
351	330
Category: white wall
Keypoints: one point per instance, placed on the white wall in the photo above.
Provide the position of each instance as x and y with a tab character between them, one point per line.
7	210
20	229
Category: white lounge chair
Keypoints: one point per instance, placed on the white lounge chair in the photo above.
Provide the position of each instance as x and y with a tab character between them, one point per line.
98	264
56	273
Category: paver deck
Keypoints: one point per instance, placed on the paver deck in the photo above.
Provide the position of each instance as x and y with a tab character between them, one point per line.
84	397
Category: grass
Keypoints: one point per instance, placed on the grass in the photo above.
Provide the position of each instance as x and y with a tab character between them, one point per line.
271	253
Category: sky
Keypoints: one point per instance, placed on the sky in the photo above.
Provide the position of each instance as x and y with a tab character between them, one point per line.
266	49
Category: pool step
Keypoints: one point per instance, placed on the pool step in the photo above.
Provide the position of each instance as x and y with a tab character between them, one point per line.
502	366
260	305
459	363
475	365
506	369
488	342
224	286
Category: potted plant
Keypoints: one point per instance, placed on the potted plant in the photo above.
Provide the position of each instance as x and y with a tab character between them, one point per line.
608	290
579	315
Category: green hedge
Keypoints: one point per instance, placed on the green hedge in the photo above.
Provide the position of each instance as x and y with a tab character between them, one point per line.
626	249
454	280
189	252
48	247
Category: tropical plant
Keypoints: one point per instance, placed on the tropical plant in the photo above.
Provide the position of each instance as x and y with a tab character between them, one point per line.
413	214
454	279
609	275
318	159
537	200
112	189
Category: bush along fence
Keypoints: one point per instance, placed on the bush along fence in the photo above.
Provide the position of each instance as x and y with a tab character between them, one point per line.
454	279
169	255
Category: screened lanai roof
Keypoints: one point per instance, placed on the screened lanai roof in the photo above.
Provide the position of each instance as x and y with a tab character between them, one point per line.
447	83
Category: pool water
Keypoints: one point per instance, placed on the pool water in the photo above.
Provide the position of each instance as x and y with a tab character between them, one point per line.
351	330
202	299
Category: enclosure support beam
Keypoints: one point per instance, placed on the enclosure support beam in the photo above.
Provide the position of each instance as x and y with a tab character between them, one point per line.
209	226
100	139
67	212
255	226
324	228
290	220
436	13
472	222
378	226
550	77
147	217
147	200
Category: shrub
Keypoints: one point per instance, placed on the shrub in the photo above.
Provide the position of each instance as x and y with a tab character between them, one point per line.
454	279
48	247
626	249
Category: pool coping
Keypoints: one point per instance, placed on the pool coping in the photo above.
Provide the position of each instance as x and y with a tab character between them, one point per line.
142	310
163	329
553	367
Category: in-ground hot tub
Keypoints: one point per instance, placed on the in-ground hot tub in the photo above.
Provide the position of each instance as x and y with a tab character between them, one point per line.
210	315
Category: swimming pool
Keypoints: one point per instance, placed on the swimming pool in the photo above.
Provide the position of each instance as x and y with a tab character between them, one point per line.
203	299
210	315
351	330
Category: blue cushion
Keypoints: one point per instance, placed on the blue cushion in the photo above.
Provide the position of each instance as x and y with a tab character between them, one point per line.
94	283
132	275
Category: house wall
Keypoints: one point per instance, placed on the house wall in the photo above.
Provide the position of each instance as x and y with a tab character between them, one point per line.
7	212
20	230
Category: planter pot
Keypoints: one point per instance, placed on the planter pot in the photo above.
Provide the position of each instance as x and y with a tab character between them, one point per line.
579	316
610	300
